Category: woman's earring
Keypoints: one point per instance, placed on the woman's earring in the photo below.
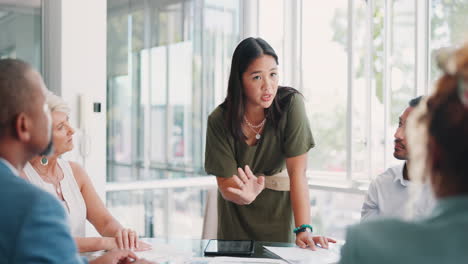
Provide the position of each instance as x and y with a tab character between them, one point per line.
44	161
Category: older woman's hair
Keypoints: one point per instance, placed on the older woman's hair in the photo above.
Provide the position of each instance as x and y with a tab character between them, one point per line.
438	130
57	104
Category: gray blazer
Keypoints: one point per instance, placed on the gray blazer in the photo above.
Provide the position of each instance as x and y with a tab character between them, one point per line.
33	227
441	238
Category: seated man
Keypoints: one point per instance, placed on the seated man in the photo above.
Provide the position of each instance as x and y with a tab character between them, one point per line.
438	148
33	226
388	193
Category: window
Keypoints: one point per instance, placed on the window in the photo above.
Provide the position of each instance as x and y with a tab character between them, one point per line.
167	69
358	74
271	22
354	102
21	32
448	26
324	84
168	65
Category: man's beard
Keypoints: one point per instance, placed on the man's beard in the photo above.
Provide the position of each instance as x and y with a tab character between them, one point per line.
49	149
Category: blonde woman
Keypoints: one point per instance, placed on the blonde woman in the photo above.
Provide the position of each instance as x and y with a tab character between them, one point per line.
70	183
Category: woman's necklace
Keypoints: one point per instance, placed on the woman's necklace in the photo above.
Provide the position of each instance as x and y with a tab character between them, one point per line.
55	181
254	127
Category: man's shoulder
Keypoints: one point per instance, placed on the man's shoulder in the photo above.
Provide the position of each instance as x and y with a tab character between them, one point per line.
18	195
380	240
382	226
389	175
383	232
28	216
391	240
390	230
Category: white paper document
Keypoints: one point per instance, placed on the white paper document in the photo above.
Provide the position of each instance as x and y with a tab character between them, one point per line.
232	260
163	253
305	255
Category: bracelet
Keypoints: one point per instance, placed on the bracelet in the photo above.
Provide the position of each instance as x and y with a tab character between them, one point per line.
302	228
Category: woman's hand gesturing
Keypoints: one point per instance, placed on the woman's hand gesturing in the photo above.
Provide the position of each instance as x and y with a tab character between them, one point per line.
249	186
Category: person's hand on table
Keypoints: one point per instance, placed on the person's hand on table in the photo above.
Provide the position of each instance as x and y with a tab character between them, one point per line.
118	256
249	185
305	239
126	239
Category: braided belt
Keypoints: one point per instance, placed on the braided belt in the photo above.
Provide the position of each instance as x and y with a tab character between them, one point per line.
278	181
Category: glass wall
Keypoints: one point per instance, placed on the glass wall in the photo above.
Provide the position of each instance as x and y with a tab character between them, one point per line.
21	31
358	72
168	65
354	103
325	84
167	69
165	212
271	24
448	25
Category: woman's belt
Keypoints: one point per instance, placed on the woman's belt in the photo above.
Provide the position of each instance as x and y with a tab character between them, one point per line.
278	181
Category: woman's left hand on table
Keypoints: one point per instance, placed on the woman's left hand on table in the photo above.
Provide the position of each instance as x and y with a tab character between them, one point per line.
306	239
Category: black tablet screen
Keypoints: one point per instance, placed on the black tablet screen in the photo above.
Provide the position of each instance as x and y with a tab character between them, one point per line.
229	247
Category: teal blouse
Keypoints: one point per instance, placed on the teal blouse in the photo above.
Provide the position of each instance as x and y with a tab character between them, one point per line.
441	238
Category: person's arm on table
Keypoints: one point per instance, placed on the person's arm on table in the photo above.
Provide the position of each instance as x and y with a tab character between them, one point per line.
301	202
114	235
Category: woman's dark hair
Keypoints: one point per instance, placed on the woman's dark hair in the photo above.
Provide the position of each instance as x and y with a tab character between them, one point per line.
245	53
447	120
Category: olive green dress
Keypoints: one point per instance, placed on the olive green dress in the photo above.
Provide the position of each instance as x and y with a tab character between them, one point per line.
269	217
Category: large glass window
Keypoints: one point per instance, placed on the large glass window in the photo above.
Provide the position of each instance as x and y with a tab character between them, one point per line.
167	69
164	212
168	65
21	31
271	26
448	24
325	84
358	74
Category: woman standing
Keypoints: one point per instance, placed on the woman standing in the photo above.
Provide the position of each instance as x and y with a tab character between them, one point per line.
260	129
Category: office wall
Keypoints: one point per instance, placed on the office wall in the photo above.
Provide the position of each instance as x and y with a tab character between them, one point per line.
75	56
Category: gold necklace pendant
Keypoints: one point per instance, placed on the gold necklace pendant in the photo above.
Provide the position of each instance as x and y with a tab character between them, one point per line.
254	128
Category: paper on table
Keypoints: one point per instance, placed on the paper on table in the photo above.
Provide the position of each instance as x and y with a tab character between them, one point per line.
301	255
231	260
228	260
164	253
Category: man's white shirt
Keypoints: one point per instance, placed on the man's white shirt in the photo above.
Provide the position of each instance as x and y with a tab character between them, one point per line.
389	195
